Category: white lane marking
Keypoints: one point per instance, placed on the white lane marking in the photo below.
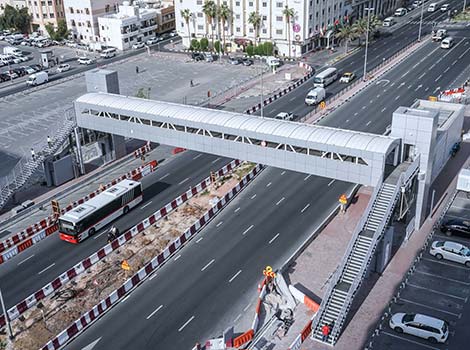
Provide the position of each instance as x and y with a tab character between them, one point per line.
378	95
347	120
421	76
426	89
199	239
437	89
164	176
437	292
237	209
146	205
446	70
220	223
363	107
237	318
22	261
444	263
368	123
99	235
371	101
396	98
186	323
356	114
331	182
431	307
216	160
307	177
305	208
196	157
269	184
248	229
45	269
280	201
246	307
292	99
383	109
442	278
432	67
234	276
177	257
253	196
408	340
154	311
127	297
153	276
439	77
283	172
274	238
208	264
182	182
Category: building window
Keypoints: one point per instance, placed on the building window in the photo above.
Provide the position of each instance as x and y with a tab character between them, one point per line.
265	18
279	4
251	30
279	31
200	14
238	30
250	4
265	31
237	3
87	11
71	9
200	27
182	25
279	18
51	15
265	4
199	2
72	22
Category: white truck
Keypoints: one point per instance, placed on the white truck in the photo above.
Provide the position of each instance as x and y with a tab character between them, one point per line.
37	79
315	96
10	50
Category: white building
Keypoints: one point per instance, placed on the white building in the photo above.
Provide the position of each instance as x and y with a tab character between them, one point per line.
18	4
82	17
310	26
129	25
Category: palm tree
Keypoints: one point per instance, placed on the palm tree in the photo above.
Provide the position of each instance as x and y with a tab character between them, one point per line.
210	10
187	15
359	28
347	34
255	20
224	16
288	14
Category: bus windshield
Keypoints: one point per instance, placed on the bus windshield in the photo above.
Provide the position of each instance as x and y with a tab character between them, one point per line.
318	80
67	227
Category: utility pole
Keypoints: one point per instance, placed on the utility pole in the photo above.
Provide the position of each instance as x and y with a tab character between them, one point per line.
421	21
7	318
262	96
368	9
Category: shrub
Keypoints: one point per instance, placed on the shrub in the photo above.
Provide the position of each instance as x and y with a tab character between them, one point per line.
250	50
203	44
194	45
218	46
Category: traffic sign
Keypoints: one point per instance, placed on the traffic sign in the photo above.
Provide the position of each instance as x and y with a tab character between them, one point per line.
322	104
55	207
268	272
125	265
343	199
432	98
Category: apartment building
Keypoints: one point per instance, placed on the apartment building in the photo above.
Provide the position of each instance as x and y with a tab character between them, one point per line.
165	13
18	4
82	18
44	12
131	24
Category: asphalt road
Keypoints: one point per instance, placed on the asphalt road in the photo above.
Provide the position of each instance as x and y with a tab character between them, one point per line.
198	300
40	264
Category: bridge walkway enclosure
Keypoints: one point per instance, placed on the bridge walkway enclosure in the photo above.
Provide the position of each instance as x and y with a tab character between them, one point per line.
334	153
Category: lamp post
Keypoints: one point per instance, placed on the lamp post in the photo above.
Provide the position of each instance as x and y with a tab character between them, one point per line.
421	21
7	318
368	9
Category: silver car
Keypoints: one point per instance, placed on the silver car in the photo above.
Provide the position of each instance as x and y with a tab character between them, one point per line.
452	251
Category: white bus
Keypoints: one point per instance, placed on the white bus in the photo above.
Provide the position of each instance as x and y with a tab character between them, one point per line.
87	218
325	78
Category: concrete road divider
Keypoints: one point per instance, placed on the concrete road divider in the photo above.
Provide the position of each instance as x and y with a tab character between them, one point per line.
101	308
87	263
21	241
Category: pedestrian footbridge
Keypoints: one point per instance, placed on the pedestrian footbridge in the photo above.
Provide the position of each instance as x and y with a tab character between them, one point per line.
334	153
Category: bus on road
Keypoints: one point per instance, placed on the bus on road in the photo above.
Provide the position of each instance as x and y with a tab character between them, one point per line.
325	78
87	218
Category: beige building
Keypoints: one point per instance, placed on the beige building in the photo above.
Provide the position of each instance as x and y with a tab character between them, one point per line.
44	12
18	4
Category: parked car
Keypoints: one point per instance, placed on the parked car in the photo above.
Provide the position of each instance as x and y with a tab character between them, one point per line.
247	61
208	57
197	56
452	251
20	71
284	116
347	77
36	67
166	36
457	227
138	45
63	67
24	58
152	41
235	60
445	7
85	60
4	77
29	70
11	74
422	326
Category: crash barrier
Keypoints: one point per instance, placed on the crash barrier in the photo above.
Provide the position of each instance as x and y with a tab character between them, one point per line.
87	263
142	151
261	295
98	310
284	91
244	338
15	244
304	299
177	150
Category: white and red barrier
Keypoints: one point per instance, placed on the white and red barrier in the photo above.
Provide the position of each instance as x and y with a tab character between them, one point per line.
306	331
259	302
85	264
142	151
98	310
304	299
17	243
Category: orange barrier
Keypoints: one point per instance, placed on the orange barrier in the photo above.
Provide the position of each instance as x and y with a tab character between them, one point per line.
178	150
306	331
242	339
26	244
311	304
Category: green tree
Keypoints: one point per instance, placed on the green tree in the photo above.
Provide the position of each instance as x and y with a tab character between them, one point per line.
210	10
288	15
15	19
60	33
225	15
203	44
194	45
218	46
346	34
250	50
268	48
187	15
255	20
360	28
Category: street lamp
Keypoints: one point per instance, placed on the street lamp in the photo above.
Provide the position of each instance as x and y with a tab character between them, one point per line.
7	317
421	20
368	9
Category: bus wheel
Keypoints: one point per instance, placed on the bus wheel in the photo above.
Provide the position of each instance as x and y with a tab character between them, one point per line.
91	231
126	209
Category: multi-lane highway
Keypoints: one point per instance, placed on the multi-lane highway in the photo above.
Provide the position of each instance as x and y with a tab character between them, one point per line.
204	291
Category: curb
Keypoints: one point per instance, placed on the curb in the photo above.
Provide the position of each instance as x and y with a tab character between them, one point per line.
87	263
100	309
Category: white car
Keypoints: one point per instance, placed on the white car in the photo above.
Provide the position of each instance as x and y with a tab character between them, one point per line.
137	46
17	60
85	60
422	326
347	77
452	251
63	67
152	41
284	116
29	70
445	7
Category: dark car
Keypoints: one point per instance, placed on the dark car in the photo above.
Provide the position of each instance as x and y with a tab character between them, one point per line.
247	61
235	60
197	56
4	77
457	227
36	67
20	71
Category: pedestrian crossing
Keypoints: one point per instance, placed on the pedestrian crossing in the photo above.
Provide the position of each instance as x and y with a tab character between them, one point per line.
431	23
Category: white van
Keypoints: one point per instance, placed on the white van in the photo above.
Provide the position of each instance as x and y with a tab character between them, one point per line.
37	79
432	7
315	96
447	43
388	22
108	53
400	12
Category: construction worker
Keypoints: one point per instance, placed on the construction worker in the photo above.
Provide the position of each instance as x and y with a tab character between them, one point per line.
33	155
325	331
49	141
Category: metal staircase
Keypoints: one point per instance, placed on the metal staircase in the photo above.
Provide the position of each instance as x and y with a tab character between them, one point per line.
26	167
352	270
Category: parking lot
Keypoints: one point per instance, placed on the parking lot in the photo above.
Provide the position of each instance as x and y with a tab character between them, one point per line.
437	288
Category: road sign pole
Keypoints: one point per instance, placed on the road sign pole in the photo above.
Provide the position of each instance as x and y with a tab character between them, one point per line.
7	318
